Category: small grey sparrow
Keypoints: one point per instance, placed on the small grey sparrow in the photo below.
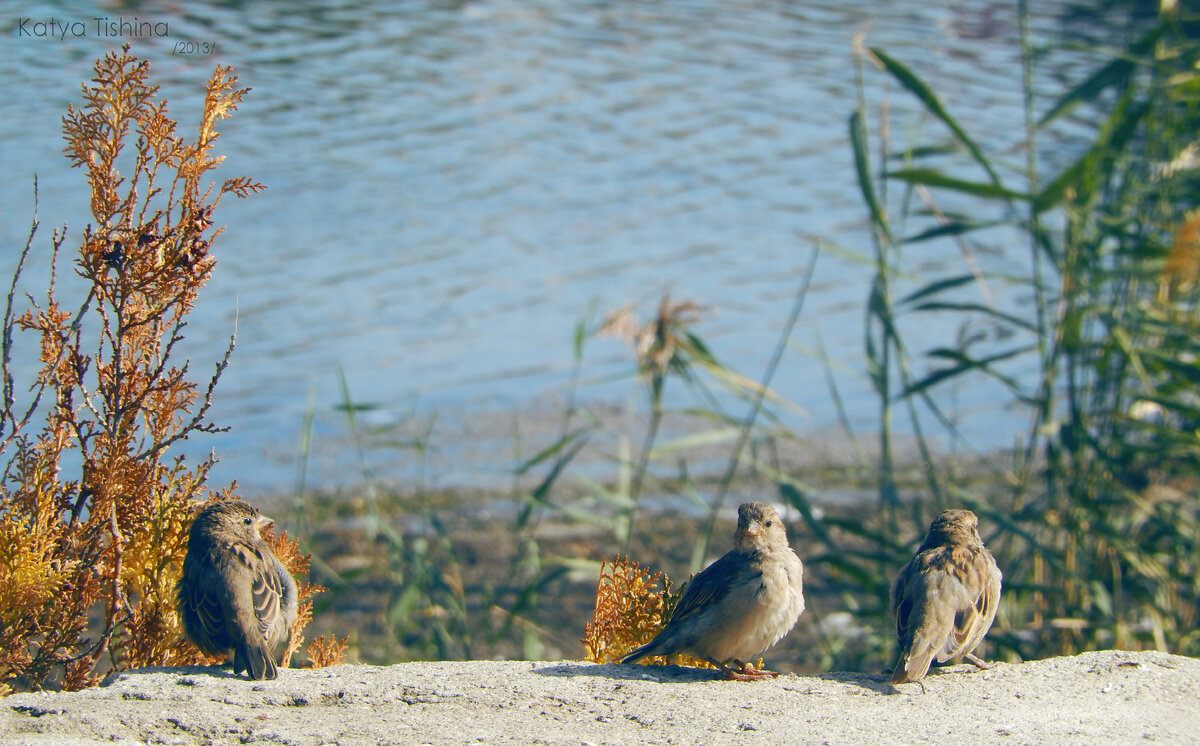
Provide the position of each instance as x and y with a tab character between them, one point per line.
234	593
946	598
740	605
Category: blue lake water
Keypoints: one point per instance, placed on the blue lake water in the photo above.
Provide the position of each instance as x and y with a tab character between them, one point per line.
453	185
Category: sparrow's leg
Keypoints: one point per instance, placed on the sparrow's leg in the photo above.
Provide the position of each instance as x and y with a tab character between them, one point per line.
978	663
918	683
745	672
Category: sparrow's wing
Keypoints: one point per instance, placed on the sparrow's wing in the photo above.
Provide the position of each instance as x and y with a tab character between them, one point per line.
697	612
971	625
972	568
207	607
268	595
253	610
265	588
203	616
732	574
902	602
289	599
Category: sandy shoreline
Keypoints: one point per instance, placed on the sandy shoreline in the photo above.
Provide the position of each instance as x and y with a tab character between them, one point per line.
1101	697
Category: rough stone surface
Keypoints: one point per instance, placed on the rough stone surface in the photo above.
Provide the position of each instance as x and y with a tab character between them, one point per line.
1102	697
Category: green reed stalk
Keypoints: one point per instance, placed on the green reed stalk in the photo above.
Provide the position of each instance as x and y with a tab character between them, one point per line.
756	405
1092	550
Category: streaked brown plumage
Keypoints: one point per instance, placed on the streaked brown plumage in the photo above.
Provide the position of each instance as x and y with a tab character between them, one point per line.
234	593
946	598
740	605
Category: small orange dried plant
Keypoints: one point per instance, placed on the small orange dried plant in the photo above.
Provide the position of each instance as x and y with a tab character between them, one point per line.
326	650
632	606
1182	266
94	514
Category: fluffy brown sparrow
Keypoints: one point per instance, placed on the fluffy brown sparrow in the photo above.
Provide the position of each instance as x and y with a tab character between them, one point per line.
945	598
740	605
234	593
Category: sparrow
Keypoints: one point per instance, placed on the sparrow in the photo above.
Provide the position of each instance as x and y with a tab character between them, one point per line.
234	593
945	598
740	605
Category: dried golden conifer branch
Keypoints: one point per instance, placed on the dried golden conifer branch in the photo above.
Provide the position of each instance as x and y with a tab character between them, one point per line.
632	605
94	515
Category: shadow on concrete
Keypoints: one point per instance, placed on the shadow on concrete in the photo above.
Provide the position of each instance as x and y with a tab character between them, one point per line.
633	672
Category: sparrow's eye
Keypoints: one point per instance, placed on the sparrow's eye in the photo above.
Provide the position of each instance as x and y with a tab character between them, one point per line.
248	521
767	524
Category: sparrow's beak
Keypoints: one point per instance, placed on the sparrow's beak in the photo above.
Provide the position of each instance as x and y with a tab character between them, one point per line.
754	529
263	522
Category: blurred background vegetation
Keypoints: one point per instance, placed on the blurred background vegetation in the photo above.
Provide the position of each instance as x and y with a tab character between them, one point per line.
1092	513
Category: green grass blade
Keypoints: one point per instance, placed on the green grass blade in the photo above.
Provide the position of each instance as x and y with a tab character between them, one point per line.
553	449
952	229
934	288
966	364
695	440
862	165
1083	177
795	498
933	178
1009	318
927	97
1113	75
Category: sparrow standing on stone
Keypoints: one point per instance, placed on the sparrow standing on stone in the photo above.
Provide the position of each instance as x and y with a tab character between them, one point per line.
740	605
945	598
234	593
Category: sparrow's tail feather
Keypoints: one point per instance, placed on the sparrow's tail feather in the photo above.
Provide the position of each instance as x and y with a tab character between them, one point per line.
913	665
643	652
928	638
255	661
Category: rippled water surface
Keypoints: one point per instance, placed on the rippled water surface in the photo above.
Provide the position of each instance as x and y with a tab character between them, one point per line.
453	186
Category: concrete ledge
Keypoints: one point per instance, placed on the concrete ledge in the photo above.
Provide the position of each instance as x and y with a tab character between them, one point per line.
1101	697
